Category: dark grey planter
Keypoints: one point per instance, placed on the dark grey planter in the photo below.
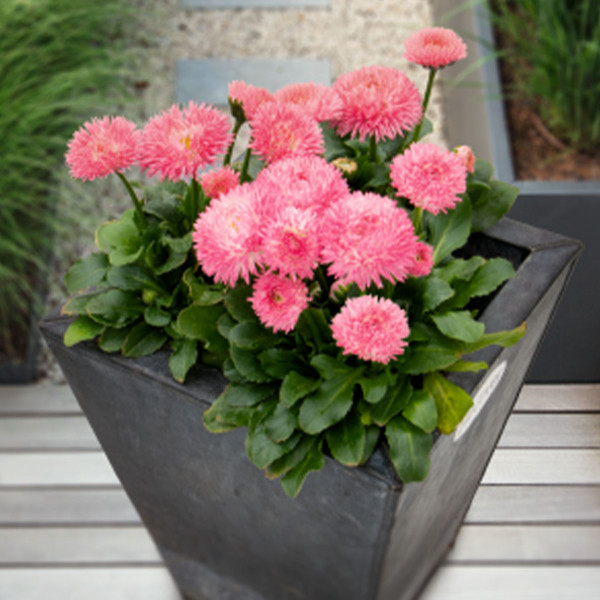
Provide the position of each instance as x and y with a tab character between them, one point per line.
227	532
475	116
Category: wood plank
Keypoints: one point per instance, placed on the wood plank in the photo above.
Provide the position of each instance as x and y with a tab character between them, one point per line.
452	582
48	432
544	466
66	506
552	431
77	545
56	469
535	504
527	544
44	397
140	583
559	398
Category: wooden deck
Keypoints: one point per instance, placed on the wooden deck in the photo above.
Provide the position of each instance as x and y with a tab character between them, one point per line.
67	530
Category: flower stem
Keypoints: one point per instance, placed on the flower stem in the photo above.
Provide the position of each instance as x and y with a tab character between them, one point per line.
236	128
245	165
195	207
418	221
426	98
136	202
372	149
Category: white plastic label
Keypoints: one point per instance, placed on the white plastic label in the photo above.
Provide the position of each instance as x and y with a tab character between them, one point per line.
486	389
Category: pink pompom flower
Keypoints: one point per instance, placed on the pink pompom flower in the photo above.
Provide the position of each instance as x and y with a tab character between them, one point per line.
466	155
423	261
371	328
219	181
101	147
434	47
305	182
291	243
365	237
282	130
178	143
376	101
278	301
249	97
319	101
429	176
226	237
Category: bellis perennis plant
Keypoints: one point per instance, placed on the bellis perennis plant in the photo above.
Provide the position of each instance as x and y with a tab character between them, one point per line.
323	272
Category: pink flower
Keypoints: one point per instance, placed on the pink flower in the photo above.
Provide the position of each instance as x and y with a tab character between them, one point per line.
279	301
177	143
281	130
305	182
429	176
371	328
220	181
249	97
467	156
101	147
376	101
291	243
365	237
226	236
434	47
320	101
423	261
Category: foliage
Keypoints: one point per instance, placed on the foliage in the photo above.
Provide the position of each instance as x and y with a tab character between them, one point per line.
60	61
553	47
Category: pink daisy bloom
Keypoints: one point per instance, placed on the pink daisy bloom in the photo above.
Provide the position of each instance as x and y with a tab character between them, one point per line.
101	147
249	97
423	261
177	143
365	237
279	301
220	181
371	328
226	237
429	176
434	47
282	130
320	101
376	101
305	182
291	243
467	156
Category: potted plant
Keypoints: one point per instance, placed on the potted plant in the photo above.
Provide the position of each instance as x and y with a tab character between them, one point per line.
556	73
333	302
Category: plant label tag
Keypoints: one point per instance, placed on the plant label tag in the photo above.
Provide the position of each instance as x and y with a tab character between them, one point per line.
486	389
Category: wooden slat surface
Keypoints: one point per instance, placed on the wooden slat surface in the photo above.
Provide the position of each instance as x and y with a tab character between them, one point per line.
68	531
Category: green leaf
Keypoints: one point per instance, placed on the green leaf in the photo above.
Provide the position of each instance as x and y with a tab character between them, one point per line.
82	328
202	293
143	340
499	338
121	239
452	401
329	404
293	481
115	308
374	388
288	461
221	417
449	231
436	291
329	367
86	272
134	277
347	440
248	364
251	335
278	363
313	328
295	386
224	324
334	146
465	366
156	316
112	340
231	372
183	357
422	411
77	304
483	170
435	355
491	207
247	394
200	323
459	268
236	302
459	325
371	439
489	276
394	402
281	423
409	449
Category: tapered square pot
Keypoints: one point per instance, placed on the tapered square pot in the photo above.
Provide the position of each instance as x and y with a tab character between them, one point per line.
227	532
